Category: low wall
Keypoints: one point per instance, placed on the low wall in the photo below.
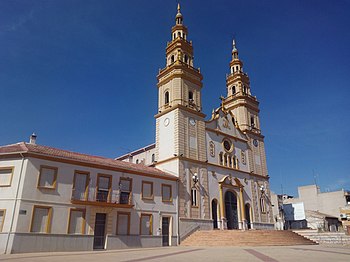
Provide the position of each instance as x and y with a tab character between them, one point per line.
3	238
33	242
135	241
328	238
188	226
268	226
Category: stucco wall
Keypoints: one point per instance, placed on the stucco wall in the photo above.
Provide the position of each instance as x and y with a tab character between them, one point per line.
31	242
132	241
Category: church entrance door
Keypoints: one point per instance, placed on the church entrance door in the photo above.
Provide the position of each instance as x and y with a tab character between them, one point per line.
231	210
214	211
247	215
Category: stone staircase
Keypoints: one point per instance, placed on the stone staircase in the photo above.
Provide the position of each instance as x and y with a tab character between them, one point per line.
327	238
245	238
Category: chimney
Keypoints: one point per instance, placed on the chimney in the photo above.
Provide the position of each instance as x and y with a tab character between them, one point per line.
32	139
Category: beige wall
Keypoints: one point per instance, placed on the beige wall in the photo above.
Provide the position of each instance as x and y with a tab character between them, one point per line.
327	203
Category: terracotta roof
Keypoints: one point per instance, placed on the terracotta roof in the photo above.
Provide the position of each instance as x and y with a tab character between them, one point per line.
83	158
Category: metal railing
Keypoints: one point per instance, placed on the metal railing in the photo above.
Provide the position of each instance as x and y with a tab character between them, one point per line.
103	196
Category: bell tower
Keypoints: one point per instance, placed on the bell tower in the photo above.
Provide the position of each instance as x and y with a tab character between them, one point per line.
180	121
180	127
245	109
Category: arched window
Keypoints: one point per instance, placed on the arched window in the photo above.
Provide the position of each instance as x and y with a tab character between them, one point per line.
172	59
244	89
137	161
153	158
166	97
174	36
262	204
234	162
190	96
194	193
252	121
237	68
179	34
233	89
221	158
186	59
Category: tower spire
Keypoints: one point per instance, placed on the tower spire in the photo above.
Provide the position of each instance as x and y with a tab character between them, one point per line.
178	17
234	45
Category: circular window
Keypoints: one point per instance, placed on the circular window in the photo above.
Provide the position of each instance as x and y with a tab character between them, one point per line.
227	145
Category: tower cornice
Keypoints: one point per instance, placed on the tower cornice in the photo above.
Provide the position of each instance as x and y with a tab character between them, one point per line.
180	69
179	106
179	43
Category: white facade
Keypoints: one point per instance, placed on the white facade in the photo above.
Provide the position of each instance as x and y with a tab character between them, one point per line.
25	194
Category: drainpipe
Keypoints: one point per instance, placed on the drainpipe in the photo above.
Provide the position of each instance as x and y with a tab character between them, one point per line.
14	205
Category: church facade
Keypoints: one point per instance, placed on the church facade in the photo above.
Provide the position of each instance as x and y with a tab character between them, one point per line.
220	162
200	174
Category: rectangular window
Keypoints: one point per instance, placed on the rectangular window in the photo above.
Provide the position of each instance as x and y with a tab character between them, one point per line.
2	218
80	185
147	190
41	221
166	193
123	223
125	186
104	183
47	177
146	224
76	221
194	197
6	176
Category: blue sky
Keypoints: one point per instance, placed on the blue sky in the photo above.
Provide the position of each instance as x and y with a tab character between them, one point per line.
82	75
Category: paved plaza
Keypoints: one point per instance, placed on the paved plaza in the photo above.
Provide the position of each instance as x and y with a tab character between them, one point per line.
267	254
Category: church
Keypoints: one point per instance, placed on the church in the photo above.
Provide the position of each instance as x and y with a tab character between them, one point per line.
220	162
202	173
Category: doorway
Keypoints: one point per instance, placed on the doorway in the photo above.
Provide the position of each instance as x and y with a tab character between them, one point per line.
247	215
165	231
214	213
231	210
99	233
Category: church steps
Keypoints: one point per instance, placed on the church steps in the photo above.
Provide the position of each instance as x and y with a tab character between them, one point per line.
245	238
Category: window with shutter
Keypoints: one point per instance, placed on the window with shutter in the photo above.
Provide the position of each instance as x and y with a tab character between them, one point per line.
6	176
47	177
76	221
41	219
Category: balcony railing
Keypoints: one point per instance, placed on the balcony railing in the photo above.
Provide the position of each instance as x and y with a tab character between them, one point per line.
102	198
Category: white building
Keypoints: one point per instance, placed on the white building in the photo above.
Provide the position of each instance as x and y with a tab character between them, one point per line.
56	200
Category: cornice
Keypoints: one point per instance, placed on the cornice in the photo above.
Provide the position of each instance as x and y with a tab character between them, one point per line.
235	105
94	165
203	163
178	65
181	107
217	131
179	43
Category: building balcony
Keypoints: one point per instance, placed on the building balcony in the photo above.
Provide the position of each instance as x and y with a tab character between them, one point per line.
102	198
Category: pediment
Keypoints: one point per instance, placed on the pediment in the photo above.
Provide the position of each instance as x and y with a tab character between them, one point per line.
230	181
223	120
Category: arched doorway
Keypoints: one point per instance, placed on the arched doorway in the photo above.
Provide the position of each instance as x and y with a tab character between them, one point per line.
214	213
231	210
247	215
